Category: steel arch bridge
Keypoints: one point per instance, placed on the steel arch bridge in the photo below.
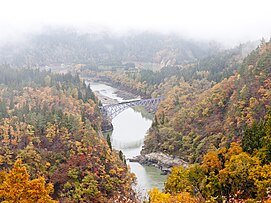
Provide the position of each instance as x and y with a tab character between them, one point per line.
112	110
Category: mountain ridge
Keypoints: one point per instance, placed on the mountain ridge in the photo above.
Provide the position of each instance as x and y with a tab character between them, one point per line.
60	46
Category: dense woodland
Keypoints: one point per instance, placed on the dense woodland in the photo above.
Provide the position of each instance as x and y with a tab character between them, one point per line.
50	142
215	115
203	129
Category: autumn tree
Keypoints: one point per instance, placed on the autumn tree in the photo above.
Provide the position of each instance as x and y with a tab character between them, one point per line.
16	187
155	196
178	181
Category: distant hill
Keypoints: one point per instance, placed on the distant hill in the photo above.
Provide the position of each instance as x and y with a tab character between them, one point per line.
59	46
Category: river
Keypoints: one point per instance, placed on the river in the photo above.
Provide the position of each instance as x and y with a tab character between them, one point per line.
130	128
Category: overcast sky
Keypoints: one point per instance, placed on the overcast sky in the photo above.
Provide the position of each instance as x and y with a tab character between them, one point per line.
223	20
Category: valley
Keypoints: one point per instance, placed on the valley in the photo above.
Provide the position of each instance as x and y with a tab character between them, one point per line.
210	132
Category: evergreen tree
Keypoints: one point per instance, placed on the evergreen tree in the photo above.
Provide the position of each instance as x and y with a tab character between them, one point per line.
108	139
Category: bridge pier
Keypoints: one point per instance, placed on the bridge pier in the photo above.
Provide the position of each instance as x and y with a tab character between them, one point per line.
107	126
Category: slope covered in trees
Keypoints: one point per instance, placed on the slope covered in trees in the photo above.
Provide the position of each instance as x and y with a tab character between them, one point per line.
207	126
51	123
225	175
202	73
190	124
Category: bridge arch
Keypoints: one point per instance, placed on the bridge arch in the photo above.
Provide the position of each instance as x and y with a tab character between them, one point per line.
112	110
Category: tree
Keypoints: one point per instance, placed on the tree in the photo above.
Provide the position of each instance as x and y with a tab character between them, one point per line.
155	196
252	137
178	181
108	139
262	180
80	95
235	177
122	157
266	140
211	162
3	109
16	187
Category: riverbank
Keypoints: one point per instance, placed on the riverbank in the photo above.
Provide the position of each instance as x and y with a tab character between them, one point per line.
123	91
130	128
159	160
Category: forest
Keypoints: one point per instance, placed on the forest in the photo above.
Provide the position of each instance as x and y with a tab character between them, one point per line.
215	115
51	149
163	101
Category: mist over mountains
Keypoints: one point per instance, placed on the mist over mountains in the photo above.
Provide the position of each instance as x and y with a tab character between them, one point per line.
62	46
197	75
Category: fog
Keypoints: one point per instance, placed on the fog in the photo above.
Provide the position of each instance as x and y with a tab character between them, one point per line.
226	21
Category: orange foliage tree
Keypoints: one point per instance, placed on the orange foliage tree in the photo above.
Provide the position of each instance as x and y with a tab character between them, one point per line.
15	186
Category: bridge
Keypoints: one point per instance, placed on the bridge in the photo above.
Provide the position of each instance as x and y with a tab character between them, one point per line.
112	110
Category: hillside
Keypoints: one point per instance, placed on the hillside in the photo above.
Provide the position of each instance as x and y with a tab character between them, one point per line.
51	124
190	124
202	74
66	47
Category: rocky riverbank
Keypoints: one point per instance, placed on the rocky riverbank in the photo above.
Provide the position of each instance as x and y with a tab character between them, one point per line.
160	160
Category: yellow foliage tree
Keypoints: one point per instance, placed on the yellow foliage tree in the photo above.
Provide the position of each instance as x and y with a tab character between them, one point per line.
155	196
16	187
178	181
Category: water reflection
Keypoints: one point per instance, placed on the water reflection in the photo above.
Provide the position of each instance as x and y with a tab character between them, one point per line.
129	128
